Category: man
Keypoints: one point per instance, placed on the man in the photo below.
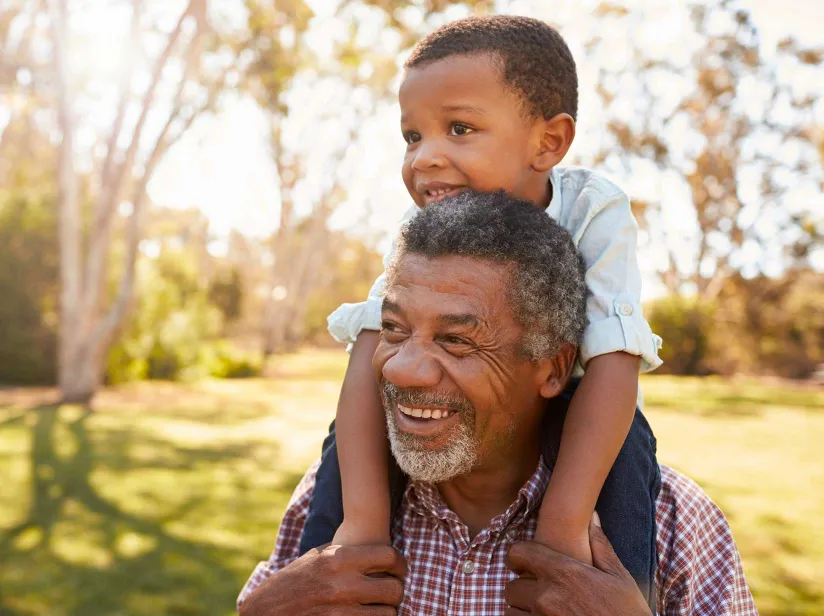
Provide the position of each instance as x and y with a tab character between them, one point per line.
483	311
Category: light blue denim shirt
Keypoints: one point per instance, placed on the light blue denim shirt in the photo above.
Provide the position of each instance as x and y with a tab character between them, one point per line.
597	214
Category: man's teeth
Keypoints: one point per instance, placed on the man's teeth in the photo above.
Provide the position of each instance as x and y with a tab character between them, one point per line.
438	192
425	413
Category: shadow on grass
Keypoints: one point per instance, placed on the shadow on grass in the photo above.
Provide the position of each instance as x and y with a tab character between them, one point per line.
159	573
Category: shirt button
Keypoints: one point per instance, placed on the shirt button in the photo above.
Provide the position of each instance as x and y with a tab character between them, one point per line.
512	534
625	309
468	567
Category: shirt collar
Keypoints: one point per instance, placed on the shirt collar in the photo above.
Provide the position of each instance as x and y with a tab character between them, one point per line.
425	499
554	207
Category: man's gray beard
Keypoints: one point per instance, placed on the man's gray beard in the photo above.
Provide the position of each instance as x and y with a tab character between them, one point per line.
457	458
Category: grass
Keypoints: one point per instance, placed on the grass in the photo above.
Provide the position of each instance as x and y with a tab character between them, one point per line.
162	499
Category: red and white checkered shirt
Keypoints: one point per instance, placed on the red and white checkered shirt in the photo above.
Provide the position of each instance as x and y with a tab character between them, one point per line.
699	572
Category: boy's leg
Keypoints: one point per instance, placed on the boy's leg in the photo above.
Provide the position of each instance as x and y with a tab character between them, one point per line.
626	505
326	506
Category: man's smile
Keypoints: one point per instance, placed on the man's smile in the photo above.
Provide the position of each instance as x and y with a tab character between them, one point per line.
425	421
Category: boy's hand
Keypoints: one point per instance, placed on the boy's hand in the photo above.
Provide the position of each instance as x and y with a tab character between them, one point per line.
349	533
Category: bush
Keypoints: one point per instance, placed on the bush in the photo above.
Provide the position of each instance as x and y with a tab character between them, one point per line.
686	325
167	329
28	288
225	361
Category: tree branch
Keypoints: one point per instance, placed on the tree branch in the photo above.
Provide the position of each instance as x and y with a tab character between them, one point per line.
134	230
123	103
101	230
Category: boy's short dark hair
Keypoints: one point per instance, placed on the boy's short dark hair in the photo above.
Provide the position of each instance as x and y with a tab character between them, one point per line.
536	61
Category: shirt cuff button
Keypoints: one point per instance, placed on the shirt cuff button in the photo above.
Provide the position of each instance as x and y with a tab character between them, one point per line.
625	310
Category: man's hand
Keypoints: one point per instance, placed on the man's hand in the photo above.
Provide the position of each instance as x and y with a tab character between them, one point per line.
551	584
333	581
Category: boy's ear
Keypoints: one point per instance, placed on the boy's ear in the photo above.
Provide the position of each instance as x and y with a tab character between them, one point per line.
555	137
554	372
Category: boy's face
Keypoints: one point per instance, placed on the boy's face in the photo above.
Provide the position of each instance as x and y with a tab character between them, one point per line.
465	129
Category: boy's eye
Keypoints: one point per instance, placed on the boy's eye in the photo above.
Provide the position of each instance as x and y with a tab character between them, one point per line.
411	137
459	130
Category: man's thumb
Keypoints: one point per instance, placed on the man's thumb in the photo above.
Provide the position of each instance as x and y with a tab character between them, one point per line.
604	557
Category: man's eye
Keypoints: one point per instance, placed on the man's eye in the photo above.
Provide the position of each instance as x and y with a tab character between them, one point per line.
390	328
459	130
411	137
450	339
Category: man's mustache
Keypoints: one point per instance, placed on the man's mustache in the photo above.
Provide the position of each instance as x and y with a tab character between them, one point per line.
414	397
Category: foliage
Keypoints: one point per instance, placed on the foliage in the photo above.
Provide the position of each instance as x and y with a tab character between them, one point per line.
225	361
226	293
685	324
28	286
770	326
172	319
755	326
713	125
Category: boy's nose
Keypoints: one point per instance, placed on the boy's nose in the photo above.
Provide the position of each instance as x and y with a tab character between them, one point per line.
412	366
428	155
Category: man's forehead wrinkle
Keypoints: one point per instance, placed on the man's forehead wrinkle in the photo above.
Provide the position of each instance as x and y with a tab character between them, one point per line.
462	285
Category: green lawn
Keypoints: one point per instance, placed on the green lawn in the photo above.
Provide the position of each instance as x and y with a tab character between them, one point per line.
162	499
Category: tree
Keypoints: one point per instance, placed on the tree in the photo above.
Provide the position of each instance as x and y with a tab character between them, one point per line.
88	318
730	125
361	72
226	292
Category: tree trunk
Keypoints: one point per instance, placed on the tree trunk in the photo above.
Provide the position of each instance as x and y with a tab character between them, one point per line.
69	233
87	327
80	380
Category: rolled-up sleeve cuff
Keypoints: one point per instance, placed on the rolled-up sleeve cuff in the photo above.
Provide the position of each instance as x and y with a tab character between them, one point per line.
350	319
619	333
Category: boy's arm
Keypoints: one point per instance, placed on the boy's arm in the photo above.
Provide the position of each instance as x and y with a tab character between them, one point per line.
359	424
596	425
617	341
362	450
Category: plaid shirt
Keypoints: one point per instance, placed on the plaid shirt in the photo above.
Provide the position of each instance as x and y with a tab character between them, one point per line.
699	572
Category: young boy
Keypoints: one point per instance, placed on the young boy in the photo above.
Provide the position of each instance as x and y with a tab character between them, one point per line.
490	103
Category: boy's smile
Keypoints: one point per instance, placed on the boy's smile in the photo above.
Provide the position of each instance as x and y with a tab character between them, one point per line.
465	129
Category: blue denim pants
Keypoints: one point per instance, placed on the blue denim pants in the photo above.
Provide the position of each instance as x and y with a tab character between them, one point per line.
626	505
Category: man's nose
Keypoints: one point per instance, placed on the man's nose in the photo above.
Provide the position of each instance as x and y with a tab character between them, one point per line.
429	154
412	366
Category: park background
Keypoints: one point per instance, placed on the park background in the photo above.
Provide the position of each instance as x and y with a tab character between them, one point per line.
188	188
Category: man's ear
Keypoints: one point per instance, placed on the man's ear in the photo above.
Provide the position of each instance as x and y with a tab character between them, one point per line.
554	372
554	138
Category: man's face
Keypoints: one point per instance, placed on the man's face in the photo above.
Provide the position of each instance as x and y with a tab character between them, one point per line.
465	129
457	392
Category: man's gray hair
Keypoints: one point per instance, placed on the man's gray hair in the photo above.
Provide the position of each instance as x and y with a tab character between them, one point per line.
548	291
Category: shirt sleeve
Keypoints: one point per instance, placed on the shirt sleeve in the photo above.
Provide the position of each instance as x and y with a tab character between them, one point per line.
608	243
349	320
287	545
